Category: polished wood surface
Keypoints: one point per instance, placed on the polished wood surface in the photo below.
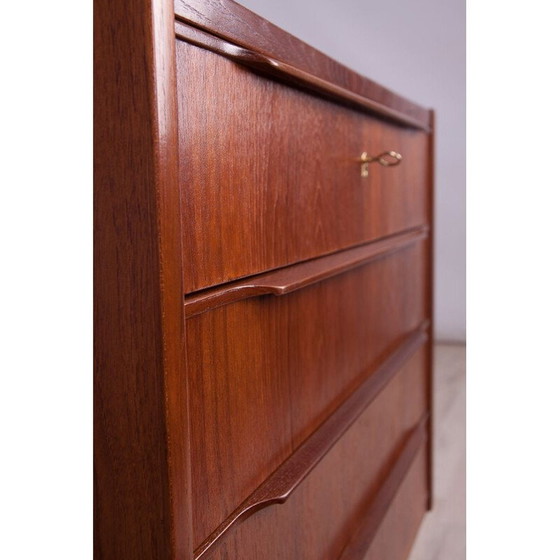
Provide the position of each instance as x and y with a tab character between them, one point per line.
240	26
293	358
141	490
292	75
316	521
400	524
260	191
278	487
287	280
358	545
263	313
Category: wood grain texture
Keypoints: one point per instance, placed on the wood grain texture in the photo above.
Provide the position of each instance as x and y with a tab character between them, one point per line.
360	542
234	23
395	535
270	175
209	405
317	519
292	75
142	494
264	373
290	279
283	482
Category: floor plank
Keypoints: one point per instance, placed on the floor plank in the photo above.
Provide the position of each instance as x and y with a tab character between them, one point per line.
442	534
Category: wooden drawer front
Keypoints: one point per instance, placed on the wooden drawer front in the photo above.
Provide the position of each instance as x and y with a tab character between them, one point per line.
265	372
270	174
395	536
378	467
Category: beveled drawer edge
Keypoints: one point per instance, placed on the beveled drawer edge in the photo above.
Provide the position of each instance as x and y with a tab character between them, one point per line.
294	277
235	23
359	542
291	75
278	487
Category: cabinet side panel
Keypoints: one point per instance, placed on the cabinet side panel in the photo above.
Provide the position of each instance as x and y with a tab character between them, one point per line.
137	270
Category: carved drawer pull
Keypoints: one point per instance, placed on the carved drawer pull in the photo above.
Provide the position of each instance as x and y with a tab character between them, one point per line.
283	482
291	278
386	159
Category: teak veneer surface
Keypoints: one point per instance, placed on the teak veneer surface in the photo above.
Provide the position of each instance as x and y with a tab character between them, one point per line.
289	279
234	23
395	536
283	482
249	287
265	372
273	175
293	76
316	521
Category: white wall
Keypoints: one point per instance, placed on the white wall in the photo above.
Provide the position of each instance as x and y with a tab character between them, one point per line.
417	49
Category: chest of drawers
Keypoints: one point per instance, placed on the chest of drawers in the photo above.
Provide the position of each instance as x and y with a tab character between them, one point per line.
263	307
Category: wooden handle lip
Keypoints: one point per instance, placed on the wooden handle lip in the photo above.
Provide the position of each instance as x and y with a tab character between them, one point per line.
359	543
278	487
288	279
290	74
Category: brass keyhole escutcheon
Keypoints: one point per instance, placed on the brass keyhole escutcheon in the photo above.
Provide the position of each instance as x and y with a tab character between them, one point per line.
386	159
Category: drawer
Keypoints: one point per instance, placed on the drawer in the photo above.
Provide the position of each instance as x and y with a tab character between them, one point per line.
368	492
267	371
270	175
397	531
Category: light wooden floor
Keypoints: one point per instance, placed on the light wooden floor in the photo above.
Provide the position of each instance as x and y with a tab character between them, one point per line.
442	534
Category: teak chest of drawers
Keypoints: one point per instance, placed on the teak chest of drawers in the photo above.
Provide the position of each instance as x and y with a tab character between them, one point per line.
263	305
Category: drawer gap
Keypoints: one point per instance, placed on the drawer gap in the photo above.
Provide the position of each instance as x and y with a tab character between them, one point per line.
289	279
